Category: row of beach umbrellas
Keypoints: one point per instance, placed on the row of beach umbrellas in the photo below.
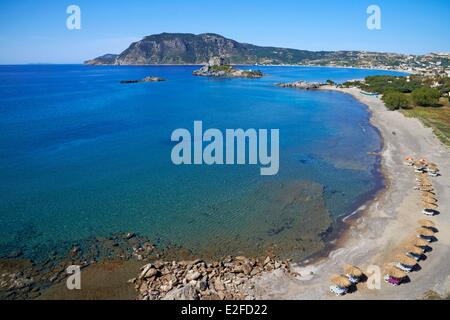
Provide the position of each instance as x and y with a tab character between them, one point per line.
416	247
413	248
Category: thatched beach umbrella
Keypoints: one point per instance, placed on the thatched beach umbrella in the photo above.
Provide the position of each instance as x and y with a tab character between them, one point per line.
405	260
430	202
425	184
395	272
425	232
341	281
430	198
352	270
413	249
423	176
426	223
428	205
420	242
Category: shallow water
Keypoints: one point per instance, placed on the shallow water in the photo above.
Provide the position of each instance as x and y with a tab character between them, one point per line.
84	155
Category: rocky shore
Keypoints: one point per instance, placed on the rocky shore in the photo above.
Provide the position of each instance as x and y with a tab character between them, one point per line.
301	85
167	274
229	278
38	268
217	68
146	79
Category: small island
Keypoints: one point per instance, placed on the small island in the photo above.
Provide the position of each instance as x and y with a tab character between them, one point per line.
146	79
216	67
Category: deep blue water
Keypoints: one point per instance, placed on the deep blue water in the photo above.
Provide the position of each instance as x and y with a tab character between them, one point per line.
82	154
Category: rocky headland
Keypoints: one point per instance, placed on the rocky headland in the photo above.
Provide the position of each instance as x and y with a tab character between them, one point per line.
216	67
301	85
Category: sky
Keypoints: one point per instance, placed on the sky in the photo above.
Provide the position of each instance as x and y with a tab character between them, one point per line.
34	31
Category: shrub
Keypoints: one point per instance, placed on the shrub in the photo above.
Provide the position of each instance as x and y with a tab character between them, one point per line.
426	97
395	100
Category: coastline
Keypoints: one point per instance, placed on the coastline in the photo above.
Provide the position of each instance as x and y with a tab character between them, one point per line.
375	234
250	65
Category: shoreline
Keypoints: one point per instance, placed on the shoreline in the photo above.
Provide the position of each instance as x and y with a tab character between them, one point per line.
252	65
378	232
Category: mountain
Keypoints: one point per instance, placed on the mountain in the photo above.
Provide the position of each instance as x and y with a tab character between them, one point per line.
186	48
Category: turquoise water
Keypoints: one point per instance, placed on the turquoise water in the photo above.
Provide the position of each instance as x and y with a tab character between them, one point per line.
82	154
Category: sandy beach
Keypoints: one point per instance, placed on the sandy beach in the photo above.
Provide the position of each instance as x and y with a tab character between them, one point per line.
379	232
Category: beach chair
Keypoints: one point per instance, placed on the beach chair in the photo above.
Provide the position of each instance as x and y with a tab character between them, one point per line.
429	212
393	281
353	279
404	268
338	291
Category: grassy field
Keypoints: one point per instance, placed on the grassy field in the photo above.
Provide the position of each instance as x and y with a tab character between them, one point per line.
436	118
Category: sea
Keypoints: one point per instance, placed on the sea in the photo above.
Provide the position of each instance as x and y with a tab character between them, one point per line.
84	155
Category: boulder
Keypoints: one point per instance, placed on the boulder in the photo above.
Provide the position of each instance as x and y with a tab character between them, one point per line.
187	292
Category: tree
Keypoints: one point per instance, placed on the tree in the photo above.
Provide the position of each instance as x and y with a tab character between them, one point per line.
395	100
426	97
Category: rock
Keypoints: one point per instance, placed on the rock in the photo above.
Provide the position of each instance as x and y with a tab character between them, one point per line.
148	271
193	275
266	261
166	287
129	235
218	285
255	271
187	292
241	258
153	79
301	85
146	79
202	285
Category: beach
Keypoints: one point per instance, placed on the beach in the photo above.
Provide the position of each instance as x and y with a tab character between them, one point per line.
377	233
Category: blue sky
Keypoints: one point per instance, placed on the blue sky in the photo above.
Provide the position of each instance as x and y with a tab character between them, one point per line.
34	31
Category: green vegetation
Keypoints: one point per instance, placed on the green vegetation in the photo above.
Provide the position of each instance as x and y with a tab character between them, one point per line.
426	97
436	118
404	92
382	84
225	68
395	100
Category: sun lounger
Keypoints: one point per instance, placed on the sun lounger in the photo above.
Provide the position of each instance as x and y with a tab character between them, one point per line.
353	279
402	267
338	290
393	281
